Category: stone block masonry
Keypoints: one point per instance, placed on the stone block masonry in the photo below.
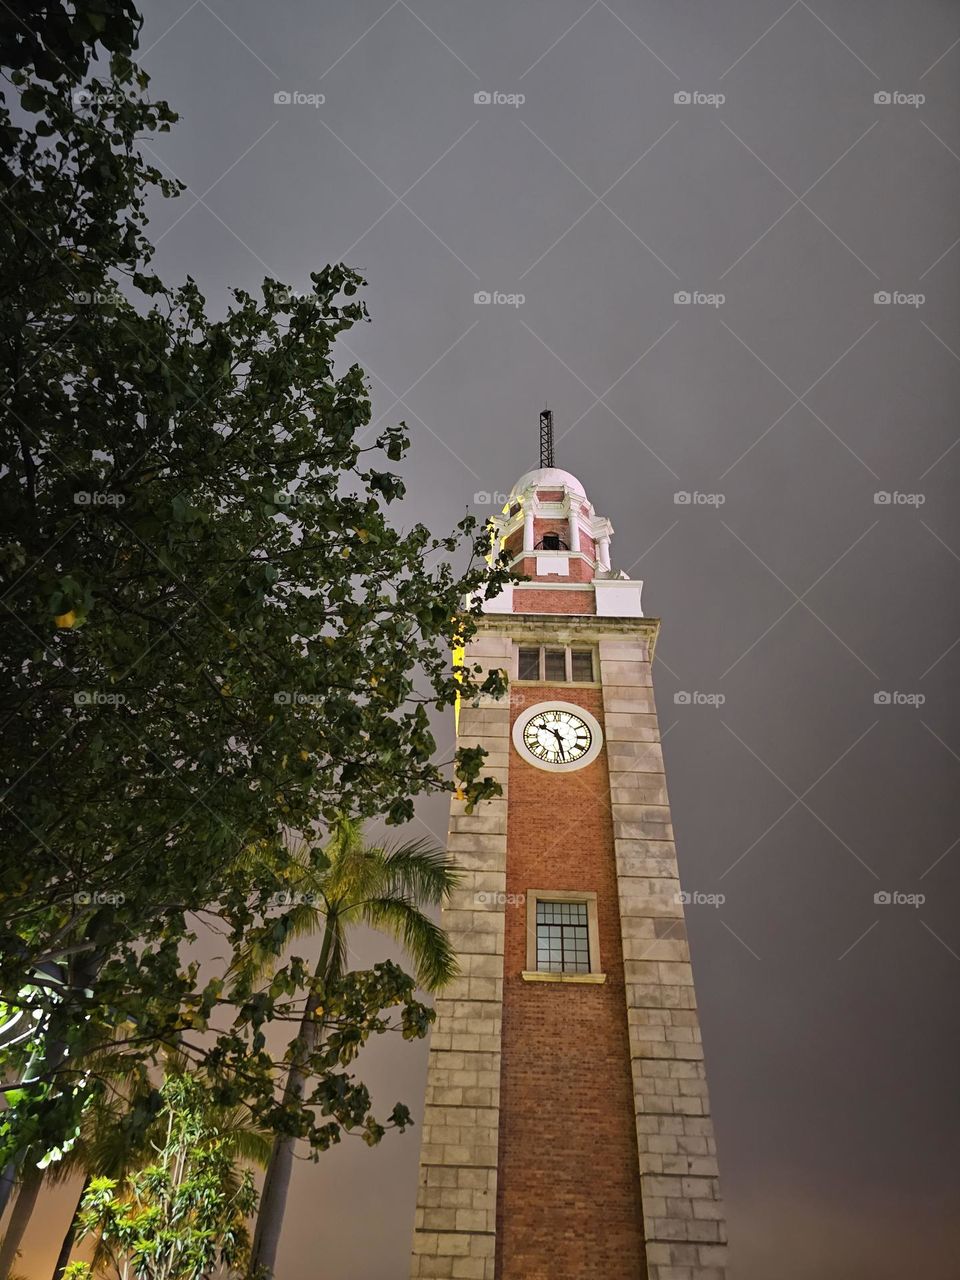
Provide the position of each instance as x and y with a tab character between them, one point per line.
683	1223
456	1196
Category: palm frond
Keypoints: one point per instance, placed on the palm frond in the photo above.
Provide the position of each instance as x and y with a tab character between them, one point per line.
434	960
244	1139
420	870
253	961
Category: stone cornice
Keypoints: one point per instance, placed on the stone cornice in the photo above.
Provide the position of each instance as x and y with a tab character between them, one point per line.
582	628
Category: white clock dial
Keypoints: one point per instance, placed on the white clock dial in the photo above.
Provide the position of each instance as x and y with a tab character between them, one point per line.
557	736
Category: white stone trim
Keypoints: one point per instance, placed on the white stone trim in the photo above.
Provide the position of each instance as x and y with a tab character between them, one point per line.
618	597
542	975
500	603
553	562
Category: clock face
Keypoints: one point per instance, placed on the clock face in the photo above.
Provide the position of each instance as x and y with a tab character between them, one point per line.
557	737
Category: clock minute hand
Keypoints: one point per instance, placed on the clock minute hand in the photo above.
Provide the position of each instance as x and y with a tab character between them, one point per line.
556	734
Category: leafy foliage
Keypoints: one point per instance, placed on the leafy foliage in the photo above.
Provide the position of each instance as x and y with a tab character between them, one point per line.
213	634
182	1217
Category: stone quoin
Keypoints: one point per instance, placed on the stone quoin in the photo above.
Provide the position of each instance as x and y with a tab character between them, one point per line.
567	1132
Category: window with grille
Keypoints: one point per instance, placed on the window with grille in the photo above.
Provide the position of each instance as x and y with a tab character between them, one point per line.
581	665
528	666
557	666
563	939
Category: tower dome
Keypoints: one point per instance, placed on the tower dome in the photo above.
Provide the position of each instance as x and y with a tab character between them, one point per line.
548	478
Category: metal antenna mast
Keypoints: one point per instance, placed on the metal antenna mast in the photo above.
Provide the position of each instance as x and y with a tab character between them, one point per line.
546	438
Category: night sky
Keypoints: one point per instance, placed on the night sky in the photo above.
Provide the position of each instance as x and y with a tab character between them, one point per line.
734	152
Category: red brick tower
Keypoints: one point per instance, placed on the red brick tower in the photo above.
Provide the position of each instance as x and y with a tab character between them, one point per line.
567	1132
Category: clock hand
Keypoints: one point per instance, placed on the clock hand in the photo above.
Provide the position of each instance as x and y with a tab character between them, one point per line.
556	734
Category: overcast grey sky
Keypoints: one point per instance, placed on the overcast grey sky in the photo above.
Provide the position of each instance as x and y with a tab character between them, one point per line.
786	188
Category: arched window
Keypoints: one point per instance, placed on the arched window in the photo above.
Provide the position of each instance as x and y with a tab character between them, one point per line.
551	542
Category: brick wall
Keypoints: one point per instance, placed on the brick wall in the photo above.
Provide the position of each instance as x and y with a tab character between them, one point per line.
542	526
579	570
582	602
568	1204
514	543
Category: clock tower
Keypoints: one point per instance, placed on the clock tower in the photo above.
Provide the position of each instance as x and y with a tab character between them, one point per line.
567	1132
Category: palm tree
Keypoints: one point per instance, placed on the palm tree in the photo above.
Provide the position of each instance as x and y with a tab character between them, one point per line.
383	887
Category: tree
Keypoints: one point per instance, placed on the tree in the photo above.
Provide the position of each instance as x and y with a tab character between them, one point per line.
214	631
384	887
119	1127
117	1132
184	1216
